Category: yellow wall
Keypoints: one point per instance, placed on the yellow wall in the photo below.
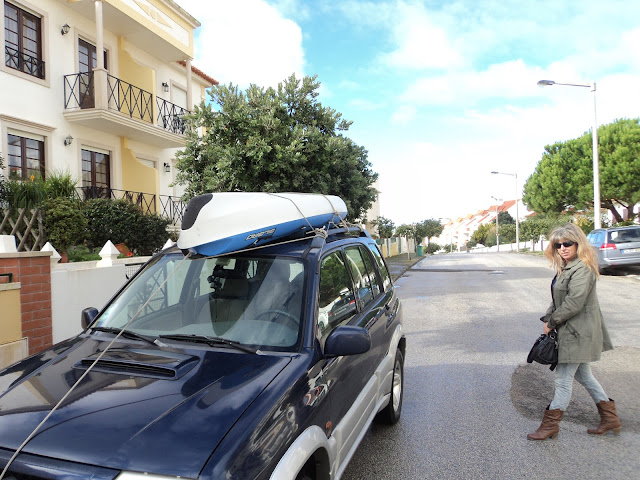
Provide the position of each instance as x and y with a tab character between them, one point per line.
150	25
10	320
137	177
135	74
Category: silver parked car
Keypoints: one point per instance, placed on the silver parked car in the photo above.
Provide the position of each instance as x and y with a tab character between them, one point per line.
616	246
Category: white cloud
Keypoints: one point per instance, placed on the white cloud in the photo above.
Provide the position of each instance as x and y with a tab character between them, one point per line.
513	79
246	41
404	115
421	44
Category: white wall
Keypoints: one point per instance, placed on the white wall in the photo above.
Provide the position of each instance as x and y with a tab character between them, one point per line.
75	287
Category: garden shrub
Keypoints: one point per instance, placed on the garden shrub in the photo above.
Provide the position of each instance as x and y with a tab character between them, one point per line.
122	222
64	223
60	185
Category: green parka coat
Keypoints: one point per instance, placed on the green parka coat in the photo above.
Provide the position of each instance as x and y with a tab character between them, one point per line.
575	314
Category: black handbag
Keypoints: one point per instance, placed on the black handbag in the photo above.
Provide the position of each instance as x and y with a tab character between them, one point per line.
545	350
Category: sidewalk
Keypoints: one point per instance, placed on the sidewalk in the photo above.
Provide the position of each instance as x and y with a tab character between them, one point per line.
398	264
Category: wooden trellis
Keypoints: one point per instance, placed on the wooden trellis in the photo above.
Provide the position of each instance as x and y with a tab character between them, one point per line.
28	228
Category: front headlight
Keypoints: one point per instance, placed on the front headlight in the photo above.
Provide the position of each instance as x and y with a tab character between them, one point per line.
144	476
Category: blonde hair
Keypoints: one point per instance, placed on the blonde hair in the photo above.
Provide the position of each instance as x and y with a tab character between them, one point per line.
573	233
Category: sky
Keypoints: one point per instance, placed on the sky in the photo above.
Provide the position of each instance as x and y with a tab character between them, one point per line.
441	93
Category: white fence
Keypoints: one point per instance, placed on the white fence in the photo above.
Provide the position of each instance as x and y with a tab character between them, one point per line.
531	245
79	285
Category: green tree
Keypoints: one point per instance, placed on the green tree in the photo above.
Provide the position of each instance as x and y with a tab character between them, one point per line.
541	225
274	140
480	235
428	229
563	179
505	218
385	226
507	232
405	230
619	152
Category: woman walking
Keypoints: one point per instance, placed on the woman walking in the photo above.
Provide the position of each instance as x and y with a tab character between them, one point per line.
582	335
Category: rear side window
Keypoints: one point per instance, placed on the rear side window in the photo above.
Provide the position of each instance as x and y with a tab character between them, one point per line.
386	278
363	284
336	299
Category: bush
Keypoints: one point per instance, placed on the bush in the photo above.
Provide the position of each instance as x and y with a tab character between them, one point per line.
27	194
64	223
121	222
80	253
433	248
60	185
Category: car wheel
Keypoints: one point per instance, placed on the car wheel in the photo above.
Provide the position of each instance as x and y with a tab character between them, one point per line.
391	413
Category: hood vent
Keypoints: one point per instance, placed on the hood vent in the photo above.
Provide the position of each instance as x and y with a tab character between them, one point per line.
136	362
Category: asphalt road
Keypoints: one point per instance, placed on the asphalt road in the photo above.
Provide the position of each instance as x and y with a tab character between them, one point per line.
470	398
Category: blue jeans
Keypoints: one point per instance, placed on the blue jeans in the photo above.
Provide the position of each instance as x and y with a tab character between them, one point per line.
565	373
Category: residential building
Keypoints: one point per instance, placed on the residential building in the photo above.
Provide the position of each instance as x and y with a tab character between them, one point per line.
112	120
457	232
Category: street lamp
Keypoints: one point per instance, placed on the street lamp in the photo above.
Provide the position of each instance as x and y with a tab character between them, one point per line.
517	213
497	224
596	162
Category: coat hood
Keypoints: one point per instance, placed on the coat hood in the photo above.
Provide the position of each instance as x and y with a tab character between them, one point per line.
135	406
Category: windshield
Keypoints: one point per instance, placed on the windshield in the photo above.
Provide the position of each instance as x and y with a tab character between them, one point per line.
252	300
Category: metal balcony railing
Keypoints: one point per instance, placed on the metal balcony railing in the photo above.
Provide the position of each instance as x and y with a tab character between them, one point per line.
24	62
170	116
129	99
164	205
78	90
125	98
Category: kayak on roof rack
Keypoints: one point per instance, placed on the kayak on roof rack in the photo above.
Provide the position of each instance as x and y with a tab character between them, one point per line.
219	223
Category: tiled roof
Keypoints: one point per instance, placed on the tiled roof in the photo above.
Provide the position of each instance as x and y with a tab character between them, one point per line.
200	73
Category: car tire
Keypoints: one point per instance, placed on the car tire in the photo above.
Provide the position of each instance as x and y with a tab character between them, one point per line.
391	413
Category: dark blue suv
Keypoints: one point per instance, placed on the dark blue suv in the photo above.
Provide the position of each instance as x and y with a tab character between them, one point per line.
267	364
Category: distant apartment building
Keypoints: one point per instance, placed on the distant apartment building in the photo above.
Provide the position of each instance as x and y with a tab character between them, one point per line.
98	89
457	232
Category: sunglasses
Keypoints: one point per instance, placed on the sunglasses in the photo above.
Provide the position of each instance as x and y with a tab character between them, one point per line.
564	244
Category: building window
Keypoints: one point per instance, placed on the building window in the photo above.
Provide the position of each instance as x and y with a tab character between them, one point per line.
96	173
25	157
23	41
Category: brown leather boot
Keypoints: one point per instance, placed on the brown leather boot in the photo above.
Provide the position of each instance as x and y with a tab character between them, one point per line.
549	426
608	419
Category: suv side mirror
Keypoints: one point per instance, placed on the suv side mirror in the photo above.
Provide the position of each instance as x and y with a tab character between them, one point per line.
347	340
87	316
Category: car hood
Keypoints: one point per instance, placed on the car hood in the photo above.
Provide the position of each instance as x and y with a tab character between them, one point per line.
150	409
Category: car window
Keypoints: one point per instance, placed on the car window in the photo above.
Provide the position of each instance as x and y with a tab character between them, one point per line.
362	281
251	300
625	236
375	283
386	278
336	299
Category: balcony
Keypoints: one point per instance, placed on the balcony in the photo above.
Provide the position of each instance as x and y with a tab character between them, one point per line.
164	205
106	103
24	62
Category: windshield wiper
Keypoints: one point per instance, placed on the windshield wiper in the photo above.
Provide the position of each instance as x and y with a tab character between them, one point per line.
212	341
129	334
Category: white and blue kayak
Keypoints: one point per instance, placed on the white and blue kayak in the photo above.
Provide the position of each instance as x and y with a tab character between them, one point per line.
219	223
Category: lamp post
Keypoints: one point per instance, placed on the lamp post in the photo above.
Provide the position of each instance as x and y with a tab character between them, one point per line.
497	224
596	162
517	212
